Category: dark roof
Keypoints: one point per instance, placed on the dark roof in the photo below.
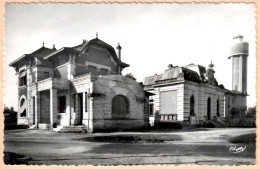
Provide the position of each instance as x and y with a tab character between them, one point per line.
59	51
235	92
80	46
40	53
45	53
191	75
173	74
110	48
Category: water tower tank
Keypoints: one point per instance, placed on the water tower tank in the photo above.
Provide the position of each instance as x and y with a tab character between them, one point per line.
239	54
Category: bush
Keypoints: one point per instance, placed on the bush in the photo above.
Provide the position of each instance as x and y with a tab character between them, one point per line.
251	112
129	75
10	115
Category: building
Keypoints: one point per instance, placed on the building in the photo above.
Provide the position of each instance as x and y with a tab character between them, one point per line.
192	95
79	85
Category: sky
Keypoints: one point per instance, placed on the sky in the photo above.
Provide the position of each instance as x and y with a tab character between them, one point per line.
151	35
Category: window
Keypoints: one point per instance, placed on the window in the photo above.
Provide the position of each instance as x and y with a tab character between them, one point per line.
208	109
46	75
23	108
22	78
62	104
218	108
120	106
192	106
151	109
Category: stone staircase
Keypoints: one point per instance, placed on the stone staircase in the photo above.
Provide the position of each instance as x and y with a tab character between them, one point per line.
218	123
70	129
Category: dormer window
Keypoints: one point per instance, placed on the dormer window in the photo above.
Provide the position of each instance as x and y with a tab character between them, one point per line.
46	75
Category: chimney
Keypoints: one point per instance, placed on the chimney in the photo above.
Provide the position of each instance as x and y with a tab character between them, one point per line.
119	56
119	51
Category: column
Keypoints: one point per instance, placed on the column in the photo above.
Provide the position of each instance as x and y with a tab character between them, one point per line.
68	107
90	114
72	110
37	108
76	109
53	106
84	101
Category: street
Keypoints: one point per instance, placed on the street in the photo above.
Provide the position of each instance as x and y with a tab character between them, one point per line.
210	147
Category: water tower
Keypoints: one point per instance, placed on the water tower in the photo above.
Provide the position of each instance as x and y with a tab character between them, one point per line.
239	54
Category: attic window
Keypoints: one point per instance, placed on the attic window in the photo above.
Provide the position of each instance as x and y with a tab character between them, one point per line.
46	75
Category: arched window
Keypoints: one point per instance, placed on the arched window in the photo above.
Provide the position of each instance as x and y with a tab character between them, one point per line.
218	108
208	108
120	106
23	107
192	106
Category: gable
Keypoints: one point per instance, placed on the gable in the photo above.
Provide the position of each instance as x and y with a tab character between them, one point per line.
99	56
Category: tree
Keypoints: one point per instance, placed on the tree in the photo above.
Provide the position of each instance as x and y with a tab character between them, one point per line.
10	115
129	75
251	112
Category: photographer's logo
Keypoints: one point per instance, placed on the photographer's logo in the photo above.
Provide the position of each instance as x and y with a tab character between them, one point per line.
235	149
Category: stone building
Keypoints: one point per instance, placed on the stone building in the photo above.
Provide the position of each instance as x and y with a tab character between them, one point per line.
79	85
192	95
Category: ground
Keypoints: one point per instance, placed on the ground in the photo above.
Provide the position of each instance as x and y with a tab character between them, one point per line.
196	147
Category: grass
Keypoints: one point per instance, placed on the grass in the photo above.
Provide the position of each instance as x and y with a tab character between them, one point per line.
245	139
147	138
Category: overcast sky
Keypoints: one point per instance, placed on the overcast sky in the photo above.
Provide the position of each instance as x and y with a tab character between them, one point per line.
151	35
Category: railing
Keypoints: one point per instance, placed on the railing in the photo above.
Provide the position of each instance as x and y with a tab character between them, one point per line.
168	117
49	83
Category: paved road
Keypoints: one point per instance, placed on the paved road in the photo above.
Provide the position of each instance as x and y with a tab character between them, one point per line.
41	147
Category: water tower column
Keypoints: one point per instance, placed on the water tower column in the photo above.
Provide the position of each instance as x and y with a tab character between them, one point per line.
239	54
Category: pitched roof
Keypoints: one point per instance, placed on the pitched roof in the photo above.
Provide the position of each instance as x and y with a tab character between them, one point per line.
45	53
41	53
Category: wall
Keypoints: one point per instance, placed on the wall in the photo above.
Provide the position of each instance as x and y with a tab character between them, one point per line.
237	102
38	73
61	72
45	107
81	85
110	86
201	93
178	90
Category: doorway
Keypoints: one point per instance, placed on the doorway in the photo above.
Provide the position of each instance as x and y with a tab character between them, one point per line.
80	108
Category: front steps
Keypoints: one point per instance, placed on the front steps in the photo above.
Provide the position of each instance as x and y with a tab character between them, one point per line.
70	129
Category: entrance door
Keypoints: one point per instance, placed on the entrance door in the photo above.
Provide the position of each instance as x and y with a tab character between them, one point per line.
34	111
80	108
208	107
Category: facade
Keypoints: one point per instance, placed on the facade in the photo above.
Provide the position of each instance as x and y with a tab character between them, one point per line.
192	95
79	85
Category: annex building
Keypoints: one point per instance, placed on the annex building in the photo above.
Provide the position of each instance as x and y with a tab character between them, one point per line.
80	85
192	95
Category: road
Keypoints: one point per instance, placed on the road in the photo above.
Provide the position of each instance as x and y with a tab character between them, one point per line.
199	147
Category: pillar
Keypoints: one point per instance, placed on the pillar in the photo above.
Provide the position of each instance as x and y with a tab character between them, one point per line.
84	101
77	108
37	108
90	114
72	109
68	108
53	106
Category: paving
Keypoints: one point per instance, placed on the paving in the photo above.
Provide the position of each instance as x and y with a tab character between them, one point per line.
209	147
